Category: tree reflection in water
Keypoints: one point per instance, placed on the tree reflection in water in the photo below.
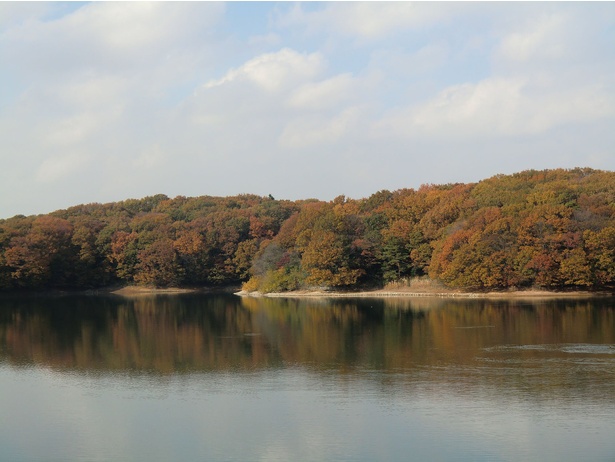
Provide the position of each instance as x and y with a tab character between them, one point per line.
450	340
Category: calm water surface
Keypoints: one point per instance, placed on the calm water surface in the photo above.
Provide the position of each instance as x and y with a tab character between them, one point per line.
220	378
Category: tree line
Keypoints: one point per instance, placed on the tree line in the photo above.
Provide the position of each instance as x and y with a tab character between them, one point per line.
552	229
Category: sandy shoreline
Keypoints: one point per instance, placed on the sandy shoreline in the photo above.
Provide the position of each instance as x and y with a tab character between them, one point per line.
408	292
136	290
423	292
533	294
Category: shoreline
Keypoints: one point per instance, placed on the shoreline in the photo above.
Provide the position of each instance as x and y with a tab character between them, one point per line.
422	292
122	291
131	291
135	291
383	293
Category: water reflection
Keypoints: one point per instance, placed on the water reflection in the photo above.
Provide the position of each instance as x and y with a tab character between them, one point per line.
177	334
196	377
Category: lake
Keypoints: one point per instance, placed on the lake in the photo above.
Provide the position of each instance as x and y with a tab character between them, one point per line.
223	378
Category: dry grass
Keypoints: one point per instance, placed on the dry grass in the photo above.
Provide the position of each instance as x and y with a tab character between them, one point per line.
426	287
417	285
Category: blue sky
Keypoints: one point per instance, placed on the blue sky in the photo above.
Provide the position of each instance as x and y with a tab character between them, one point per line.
106	101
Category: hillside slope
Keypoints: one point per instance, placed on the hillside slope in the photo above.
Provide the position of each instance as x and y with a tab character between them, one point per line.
552	229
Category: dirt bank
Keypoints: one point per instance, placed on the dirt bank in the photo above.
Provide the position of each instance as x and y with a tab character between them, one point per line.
137	290
529	294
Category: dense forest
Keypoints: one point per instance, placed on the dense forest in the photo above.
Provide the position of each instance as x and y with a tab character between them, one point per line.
552	229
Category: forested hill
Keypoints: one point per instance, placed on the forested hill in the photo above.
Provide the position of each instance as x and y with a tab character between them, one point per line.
552	229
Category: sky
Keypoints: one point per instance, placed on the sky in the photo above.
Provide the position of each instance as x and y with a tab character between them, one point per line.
102	102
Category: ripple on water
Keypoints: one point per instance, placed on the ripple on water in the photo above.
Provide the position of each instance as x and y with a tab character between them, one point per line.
573	348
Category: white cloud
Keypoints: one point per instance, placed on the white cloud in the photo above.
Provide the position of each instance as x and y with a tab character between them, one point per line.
569	37
71	130
398	64
270	39
499	107
133	25
13	13
327	93
365	20
542	39
539	41
306	132
89	92
150	158
60	166
107	36
274	71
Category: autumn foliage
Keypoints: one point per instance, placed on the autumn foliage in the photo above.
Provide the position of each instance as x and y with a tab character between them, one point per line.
552	229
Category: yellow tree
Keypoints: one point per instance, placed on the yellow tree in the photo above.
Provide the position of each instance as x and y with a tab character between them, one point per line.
326	262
